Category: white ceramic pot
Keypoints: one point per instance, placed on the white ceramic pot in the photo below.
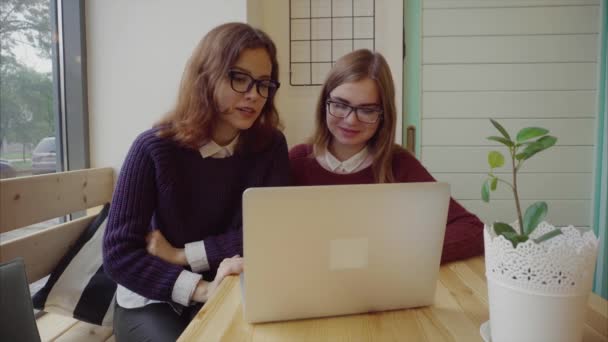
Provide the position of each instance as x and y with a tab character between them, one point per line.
538	292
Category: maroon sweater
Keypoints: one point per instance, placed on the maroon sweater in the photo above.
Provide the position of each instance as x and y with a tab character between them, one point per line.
464	231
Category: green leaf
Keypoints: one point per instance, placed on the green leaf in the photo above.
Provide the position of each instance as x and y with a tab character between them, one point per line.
501	140
509	235
548	236
494	184
485	191
519	239
501	228
530	132
534	214
537	146
500	129
547	141
496	159
515	238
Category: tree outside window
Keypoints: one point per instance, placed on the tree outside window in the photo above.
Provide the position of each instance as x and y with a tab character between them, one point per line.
27	103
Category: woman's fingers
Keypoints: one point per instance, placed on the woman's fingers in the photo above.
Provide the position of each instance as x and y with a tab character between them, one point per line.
236	266
150	236
228	266
232	265
154	234
235	258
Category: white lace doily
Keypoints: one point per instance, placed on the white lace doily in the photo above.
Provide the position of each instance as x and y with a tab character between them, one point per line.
562	265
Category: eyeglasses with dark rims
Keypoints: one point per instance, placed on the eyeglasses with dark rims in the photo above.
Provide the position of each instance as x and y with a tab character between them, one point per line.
242	82
365	114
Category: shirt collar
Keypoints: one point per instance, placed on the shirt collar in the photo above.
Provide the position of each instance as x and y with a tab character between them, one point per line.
214	150
348	165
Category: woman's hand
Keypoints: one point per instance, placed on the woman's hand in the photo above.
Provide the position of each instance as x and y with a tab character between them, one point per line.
205	290
157	245
227	267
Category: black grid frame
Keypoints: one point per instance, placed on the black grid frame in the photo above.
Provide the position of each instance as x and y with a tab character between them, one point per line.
356	40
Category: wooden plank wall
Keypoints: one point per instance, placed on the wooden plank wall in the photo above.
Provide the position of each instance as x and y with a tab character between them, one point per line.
525	63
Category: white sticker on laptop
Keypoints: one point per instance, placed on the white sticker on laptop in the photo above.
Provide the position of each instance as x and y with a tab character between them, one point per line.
348	253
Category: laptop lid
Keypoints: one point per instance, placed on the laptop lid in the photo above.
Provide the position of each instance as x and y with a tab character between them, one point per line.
18	322
330	250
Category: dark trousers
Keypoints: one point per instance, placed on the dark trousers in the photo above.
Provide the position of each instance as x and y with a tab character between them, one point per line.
154	322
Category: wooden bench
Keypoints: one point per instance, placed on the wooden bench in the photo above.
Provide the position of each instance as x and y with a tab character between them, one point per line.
30	200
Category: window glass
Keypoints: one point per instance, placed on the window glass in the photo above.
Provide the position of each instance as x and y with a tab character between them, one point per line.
27	103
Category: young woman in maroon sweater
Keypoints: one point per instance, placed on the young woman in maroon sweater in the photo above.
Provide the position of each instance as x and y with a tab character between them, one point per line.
353	143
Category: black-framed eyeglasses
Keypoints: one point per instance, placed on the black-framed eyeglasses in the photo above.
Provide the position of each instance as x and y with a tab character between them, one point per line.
242	83
341	110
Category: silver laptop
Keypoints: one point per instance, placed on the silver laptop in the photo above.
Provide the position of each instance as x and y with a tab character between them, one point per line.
332	250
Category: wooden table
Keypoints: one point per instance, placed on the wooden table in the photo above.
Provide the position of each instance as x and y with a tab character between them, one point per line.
461	306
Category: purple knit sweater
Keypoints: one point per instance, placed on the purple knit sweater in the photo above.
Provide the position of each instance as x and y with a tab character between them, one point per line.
172	188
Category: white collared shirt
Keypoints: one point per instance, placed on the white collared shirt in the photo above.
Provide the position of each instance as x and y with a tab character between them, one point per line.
356	163
195	251
214	150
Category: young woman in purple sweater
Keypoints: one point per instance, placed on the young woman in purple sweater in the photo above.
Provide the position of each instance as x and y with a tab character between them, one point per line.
353	143
182	181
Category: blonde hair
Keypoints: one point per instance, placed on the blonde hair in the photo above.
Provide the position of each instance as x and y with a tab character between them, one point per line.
192	119
353	67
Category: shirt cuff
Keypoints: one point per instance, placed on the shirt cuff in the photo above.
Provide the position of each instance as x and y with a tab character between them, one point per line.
196	255
184	287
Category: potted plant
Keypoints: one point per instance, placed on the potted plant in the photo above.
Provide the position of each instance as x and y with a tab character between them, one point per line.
539	276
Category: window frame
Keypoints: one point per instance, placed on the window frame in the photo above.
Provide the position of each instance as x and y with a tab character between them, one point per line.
70	84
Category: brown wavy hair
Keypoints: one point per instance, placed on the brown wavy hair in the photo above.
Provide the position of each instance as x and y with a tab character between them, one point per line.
192	120
353	67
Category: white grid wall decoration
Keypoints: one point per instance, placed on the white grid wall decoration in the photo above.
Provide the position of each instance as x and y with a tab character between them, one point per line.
321	31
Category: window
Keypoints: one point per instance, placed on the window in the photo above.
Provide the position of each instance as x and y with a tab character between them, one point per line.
44	126
43	105
27	76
